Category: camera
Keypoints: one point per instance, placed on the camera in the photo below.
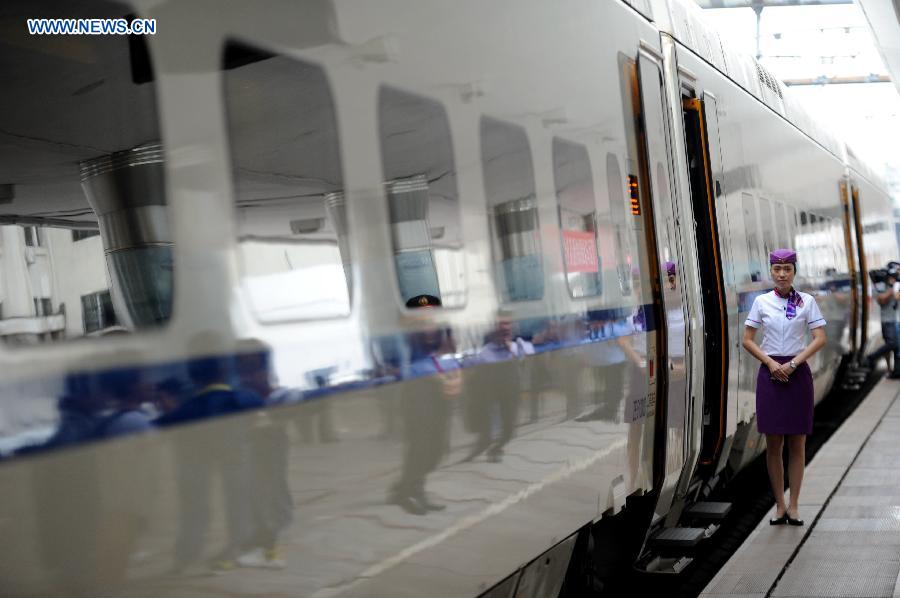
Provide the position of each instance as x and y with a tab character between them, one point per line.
891	271
879	275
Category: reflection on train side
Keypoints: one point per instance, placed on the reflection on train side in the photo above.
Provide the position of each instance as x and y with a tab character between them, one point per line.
451	416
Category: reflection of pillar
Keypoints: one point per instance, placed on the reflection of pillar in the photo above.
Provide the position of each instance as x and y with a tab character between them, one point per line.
126	190
408	207
758	8
520	250
336	208
15	284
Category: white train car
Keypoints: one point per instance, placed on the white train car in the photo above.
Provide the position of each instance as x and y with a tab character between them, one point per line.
397	297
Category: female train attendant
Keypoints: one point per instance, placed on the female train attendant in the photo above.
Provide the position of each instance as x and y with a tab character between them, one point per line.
784	386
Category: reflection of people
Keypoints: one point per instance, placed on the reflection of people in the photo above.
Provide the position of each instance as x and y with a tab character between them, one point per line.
670	275
502	354
128	492
610	338
784	385
271	505
67	530
223	448
316	415
887	298
126	395
430	382
636	402
79	413
562	368
391	354
543	374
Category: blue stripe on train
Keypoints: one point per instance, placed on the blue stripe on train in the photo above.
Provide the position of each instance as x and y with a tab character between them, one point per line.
83	389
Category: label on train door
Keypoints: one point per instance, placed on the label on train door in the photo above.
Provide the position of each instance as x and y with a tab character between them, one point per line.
656	167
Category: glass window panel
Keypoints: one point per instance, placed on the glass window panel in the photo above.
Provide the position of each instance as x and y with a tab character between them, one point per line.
781	217
423	201
509	189
622	237
291	214
750	222
577	218
768	227
84	208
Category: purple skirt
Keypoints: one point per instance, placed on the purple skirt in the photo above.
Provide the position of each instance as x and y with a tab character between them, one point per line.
784	407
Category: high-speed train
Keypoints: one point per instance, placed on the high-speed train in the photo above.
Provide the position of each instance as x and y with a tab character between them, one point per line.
399	298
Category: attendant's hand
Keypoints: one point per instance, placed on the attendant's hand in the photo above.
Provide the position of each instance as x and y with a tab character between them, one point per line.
787	369
777	370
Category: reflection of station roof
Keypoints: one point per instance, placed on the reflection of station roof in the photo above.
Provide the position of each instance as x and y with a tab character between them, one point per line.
66	99
764	3
684	20
884	22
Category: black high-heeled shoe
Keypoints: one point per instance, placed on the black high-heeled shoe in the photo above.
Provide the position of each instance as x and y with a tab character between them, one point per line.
779	520
792	521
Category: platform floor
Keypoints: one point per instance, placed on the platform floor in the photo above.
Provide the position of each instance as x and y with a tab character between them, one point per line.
850	501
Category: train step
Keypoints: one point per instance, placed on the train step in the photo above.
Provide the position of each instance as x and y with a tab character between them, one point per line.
664	565
681	537
708	511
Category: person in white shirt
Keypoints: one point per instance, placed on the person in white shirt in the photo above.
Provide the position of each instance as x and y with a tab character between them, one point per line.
784	385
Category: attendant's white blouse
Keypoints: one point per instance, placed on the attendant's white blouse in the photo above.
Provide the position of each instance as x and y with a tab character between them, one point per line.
783	337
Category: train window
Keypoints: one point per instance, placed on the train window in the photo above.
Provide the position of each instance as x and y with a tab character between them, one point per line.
98	312
423	201
752	227
822	247
577	218
835	242
809	245
294	249
622	239
81	152
768	228
510	192
782	224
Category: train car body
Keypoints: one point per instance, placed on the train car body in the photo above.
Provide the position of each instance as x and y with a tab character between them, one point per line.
392	295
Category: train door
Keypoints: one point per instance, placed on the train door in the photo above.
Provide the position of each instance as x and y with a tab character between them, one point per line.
850	242
668	296
856	212
700	131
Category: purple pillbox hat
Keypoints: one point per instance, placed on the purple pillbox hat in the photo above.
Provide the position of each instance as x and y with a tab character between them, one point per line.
783	256
670	268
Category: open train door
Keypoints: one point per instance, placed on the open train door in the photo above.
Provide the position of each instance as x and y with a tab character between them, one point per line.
701	136
863	282
667	261
850	242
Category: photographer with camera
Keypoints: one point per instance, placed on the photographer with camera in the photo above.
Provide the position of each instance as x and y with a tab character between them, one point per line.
888	297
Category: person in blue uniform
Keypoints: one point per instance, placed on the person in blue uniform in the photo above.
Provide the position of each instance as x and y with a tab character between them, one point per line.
502	383
225	449
784	385
270	499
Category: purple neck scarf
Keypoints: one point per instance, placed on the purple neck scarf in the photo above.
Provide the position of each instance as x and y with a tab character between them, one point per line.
793	302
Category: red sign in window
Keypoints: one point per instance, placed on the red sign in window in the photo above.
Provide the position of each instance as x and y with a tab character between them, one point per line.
581	251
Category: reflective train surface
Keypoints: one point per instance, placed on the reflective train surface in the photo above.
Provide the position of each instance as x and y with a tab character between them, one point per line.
397	298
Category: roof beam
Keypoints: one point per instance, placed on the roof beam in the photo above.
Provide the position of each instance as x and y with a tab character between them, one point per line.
822	80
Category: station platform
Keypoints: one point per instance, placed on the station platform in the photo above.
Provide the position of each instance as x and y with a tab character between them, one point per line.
850	501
